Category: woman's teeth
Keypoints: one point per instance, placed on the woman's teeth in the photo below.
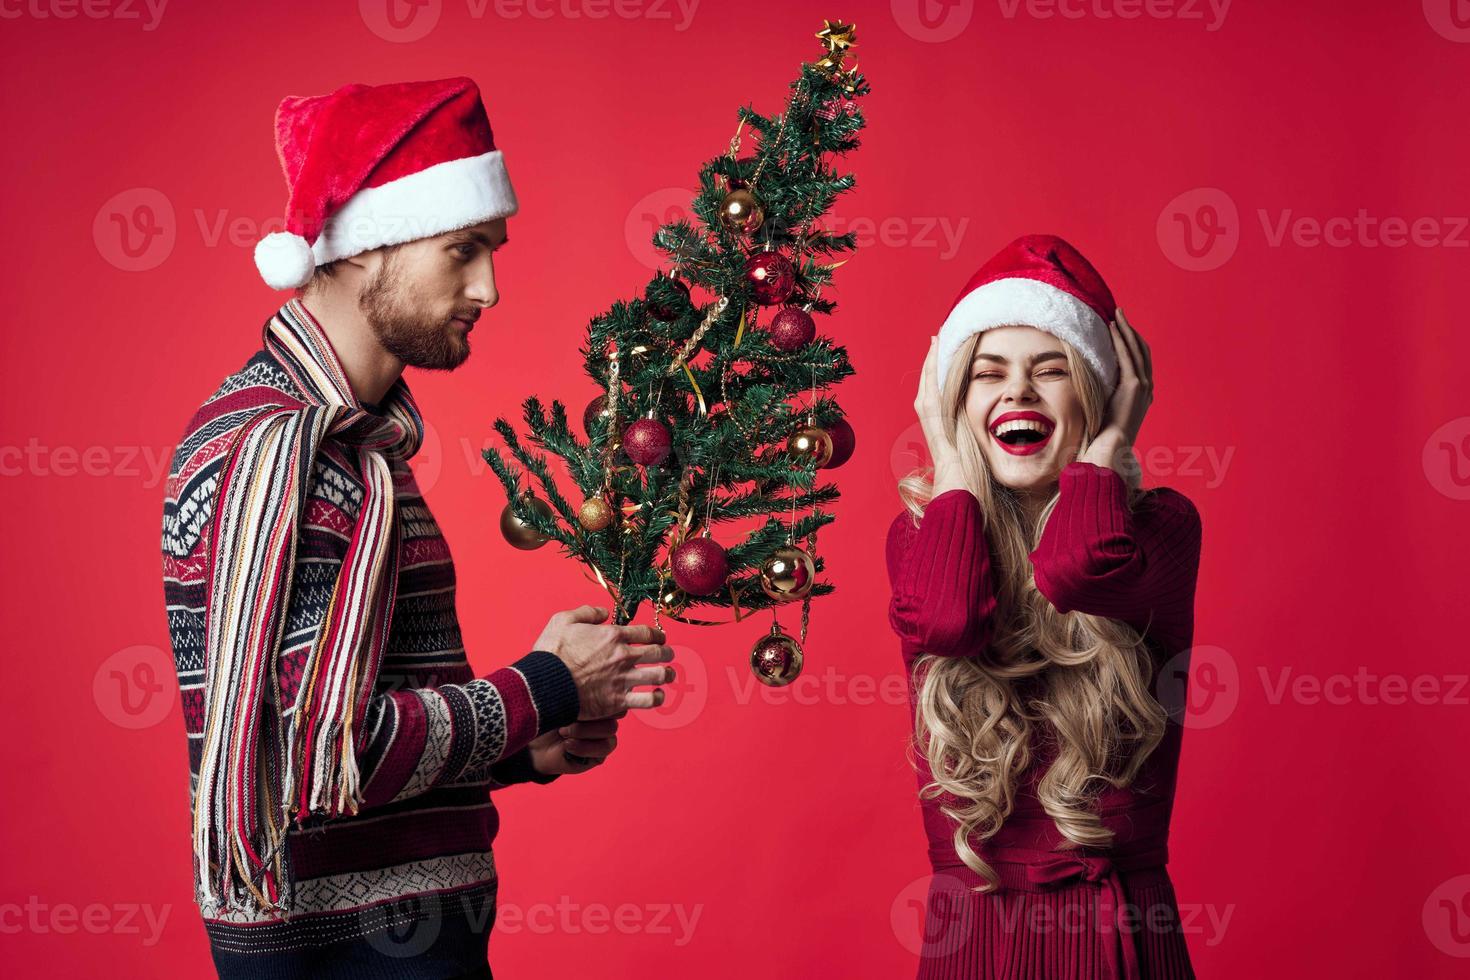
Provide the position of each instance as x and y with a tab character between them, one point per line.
1022	437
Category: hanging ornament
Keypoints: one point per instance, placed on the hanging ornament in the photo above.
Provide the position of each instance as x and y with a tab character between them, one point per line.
776	658
837	105
745	166
844	441
791	329
788	574
636	358
810	442
661	305
647	442
741	213
672	600
700	566
595	417
595	514
521	535
771	276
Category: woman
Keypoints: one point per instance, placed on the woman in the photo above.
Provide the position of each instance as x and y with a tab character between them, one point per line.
1037	590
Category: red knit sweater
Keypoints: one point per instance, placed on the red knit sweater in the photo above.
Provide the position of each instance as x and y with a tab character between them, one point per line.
1095	556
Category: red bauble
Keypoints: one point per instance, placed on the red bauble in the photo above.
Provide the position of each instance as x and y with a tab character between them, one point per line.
844	441
791	329
771	276
594	416
647	442
700	566
670	310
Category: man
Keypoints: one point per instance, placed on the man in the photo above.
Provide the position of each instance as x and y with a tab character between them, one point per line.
341	750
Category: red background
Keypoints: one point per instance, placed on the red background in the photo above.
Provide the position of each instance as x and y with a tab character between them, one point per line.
1327	379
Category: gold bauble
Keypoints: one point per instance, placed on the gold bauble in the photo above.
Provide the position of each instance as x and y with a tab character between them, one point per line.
595	514
776	658
741	213
788	574
810	442
520	534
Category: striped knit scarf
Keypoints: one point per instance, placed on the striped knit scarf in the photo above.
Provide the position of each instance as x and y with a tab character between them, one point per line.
280	742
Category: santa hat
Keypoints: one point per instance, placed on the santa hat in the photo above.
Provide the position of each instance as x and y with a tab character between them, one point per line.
1037	281
375	165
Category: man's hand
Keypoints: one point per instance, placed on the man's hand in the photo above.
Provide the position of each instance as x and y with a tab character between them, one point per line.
590	741
604	661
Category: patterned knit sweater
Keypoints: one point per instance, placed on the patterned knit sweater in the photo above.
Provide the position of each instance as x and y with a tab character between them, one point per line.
406	887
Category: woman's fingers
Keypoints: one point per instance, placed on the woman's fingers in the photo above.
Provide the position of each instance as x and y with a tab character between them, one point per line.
1136	347
1126	371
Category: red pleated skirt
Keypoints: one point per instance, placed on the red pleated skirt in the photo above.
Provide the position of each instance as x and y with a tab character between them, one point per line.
1070	930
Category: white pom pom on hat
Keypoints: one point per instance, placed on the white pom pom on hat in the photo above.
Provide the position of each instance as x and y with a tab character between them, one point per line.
284	260
374	165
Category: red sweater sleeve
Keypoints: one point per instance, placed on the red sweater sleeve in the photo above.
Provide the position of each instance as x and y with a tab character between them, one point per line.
1097	556
943	600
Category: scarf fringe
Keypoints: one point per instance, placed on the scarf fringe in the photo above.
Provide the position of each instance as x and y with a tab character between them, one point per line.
251	787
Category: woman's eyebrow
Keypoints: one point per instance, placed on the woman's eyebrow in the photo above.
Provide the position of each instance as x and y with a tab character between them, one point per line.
1045	355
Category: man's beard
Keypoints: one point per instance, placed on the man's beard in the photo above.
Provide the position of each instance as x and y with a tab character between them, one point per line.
416	339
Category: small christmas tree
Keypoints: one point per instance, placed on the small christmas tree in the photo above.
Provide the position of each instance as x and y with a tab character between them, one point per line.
708	418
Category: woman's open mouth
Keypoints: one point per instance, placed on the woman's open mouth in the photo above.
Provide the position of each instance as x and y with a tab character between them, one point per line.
1022	433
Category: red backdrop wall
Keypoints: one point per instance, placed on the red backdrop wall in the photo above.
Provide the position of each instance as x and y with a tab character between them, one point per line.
1276	193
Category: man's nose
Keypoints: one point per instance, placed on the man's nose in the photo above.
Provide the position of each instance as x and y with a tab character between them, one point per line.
481	289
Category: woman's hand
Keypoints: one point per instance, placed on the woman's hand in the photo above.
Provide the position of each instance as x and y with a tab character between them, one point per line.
947	472
1129	403
590	740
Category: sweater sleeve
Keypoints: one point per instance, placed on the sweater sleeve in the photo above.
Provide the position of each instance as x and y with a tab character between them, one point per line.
424	737
518	768
1098	557
943	600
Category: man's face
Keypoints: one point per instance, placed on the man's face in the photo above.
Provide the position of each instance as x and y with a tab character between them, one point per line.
423	299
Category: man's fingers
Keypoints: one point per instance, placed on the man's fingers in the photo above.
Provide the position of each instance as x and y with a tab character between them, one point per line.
590	748
646	676
654	654
634	635
586	614
644	699
601	728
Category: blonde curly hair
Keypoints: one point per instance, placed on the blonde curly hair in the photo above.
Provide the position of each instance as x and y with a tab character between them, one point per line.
1087	678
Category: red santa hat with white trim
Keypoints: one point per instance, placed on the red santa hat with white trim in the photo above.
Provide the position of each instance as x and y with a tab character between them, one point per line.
1037	281
375	165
